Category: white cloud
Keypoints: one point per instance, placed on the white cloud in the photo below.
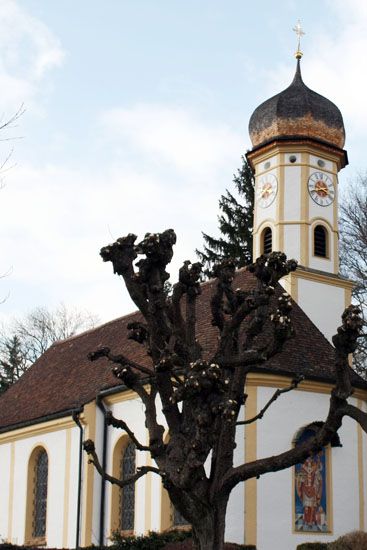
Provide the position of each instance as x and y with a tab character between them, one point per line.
174	136
28	49
334	66
59	217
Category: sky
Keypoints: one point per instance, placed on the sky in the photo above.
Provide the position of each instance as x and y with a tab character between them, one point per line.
135	119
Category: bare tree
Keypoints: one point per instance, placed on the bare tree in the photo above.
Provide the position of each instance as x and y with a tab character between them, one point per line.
210	392
353	248
25	339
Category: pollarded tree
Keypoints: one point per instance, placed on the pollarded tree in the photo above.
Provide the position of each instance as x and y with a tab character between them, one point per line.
235	225
201	397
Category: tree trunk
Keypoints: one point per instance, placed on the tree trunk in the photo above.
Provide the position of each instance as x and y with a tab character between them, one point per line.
208	533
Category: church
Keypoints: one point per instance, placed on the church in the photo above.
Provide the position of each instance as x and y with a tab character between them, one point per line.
52	496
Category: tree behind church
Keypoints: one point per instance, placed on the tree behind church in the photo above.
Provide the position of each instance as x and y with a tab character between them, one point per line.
26	338
353	256
235	225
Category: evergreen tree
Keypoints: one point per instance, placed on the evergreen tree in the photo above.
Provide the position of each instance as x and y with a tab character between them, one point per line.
12	362
235	225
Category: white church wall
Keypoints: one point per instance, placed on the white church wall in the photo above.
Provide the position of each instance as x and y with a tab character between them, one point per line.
236	505
5	500
275	491
292	241
97	480
132	412
71	503
56	446
312	297
292	193
329	165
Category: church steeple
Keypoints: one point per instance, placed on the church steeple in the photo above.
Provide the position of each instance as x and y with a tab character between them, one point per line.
298	137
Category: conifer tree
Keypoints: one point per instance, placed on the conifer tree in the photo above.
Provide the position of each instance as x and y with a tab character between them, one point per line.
12	362
235	225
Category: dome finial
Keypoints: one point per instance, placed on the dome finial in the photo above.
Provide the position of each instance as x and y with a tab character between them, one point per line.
299	32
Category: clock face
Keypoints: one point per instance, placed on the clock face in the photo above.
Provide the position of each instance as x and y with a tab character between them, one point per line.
267	188
321	189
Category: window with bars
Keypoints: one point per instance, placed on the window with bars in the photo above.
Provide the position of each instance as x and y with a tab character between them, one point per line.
127	493
40	494
267	244
320	241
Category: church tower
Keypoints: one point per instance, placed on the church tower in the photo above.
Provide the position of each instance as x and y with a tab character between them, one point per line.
298	138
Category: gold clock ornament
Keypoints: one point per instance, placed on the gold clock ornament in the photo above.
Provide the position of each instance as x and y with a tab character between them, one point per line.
267	188
321	189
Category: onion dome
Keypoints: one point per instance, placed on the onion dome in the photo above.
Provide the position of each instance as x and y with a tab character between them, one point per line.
297	112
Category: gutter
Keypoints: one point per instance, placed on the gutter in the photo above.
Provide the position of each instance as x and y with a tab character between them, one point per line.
76	419
100	405
46	418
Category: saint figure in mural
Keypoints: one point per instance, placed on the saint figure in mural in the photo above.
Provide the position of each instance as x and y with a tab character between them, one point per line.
310	492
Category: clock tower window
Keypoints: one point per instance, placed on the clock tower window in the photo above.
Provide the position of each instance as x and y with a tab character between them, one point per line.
267	241
320	238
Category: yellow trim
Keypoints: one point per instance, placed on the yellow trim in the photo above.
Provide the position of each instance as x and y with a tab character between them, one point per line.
347	297
118	451
304	234
120	397
317	220
29	539
166	510
323	278
318	151
280	206
328	238
256	379
360	472
11	491
301	164
250	455
37	429
89	421
65	530
148	492
336	236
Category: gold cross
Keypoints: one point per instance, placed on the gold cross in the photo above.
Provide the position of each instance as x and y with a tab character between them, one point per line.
299	32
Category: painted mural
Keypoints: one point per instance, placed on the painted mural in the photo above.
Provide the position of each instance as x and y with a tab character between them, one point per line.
311	506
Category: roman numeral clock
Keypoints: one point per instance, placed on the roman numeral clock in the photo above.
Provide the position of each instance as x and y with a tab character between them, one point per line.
321	189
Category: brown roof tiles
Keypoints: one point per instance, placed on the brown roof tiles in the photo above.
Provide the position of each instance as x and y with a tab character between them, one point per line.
63	378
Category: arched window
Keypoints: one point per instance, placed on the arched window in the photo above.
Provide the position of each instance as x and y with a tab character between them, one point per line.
320	241
40	494
267	240
37	496
127	493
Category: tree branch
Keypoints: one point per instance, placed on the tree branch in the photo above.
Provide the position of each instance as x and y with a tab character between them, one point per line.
89	447
120	424
275	396
118	359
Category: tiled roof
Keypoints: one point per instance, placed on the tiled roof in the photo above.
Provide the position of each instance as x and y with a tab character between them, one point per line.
63	378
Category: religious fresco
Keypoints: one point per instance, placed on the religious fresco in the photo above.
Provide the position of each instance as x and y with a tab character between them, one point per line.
311	506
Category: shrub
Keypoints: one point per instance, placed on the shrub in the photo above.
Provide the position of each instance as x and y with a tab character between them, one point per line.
357	540
313	546
153	541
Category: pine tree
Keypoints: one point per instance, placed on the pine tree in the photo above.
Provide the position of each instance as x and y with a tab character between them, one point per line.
12	362
235	225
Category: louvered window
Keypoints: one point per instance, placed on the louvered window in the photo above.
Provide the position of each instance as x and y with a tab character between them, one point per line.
267	240
320	241
127	493
40	495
